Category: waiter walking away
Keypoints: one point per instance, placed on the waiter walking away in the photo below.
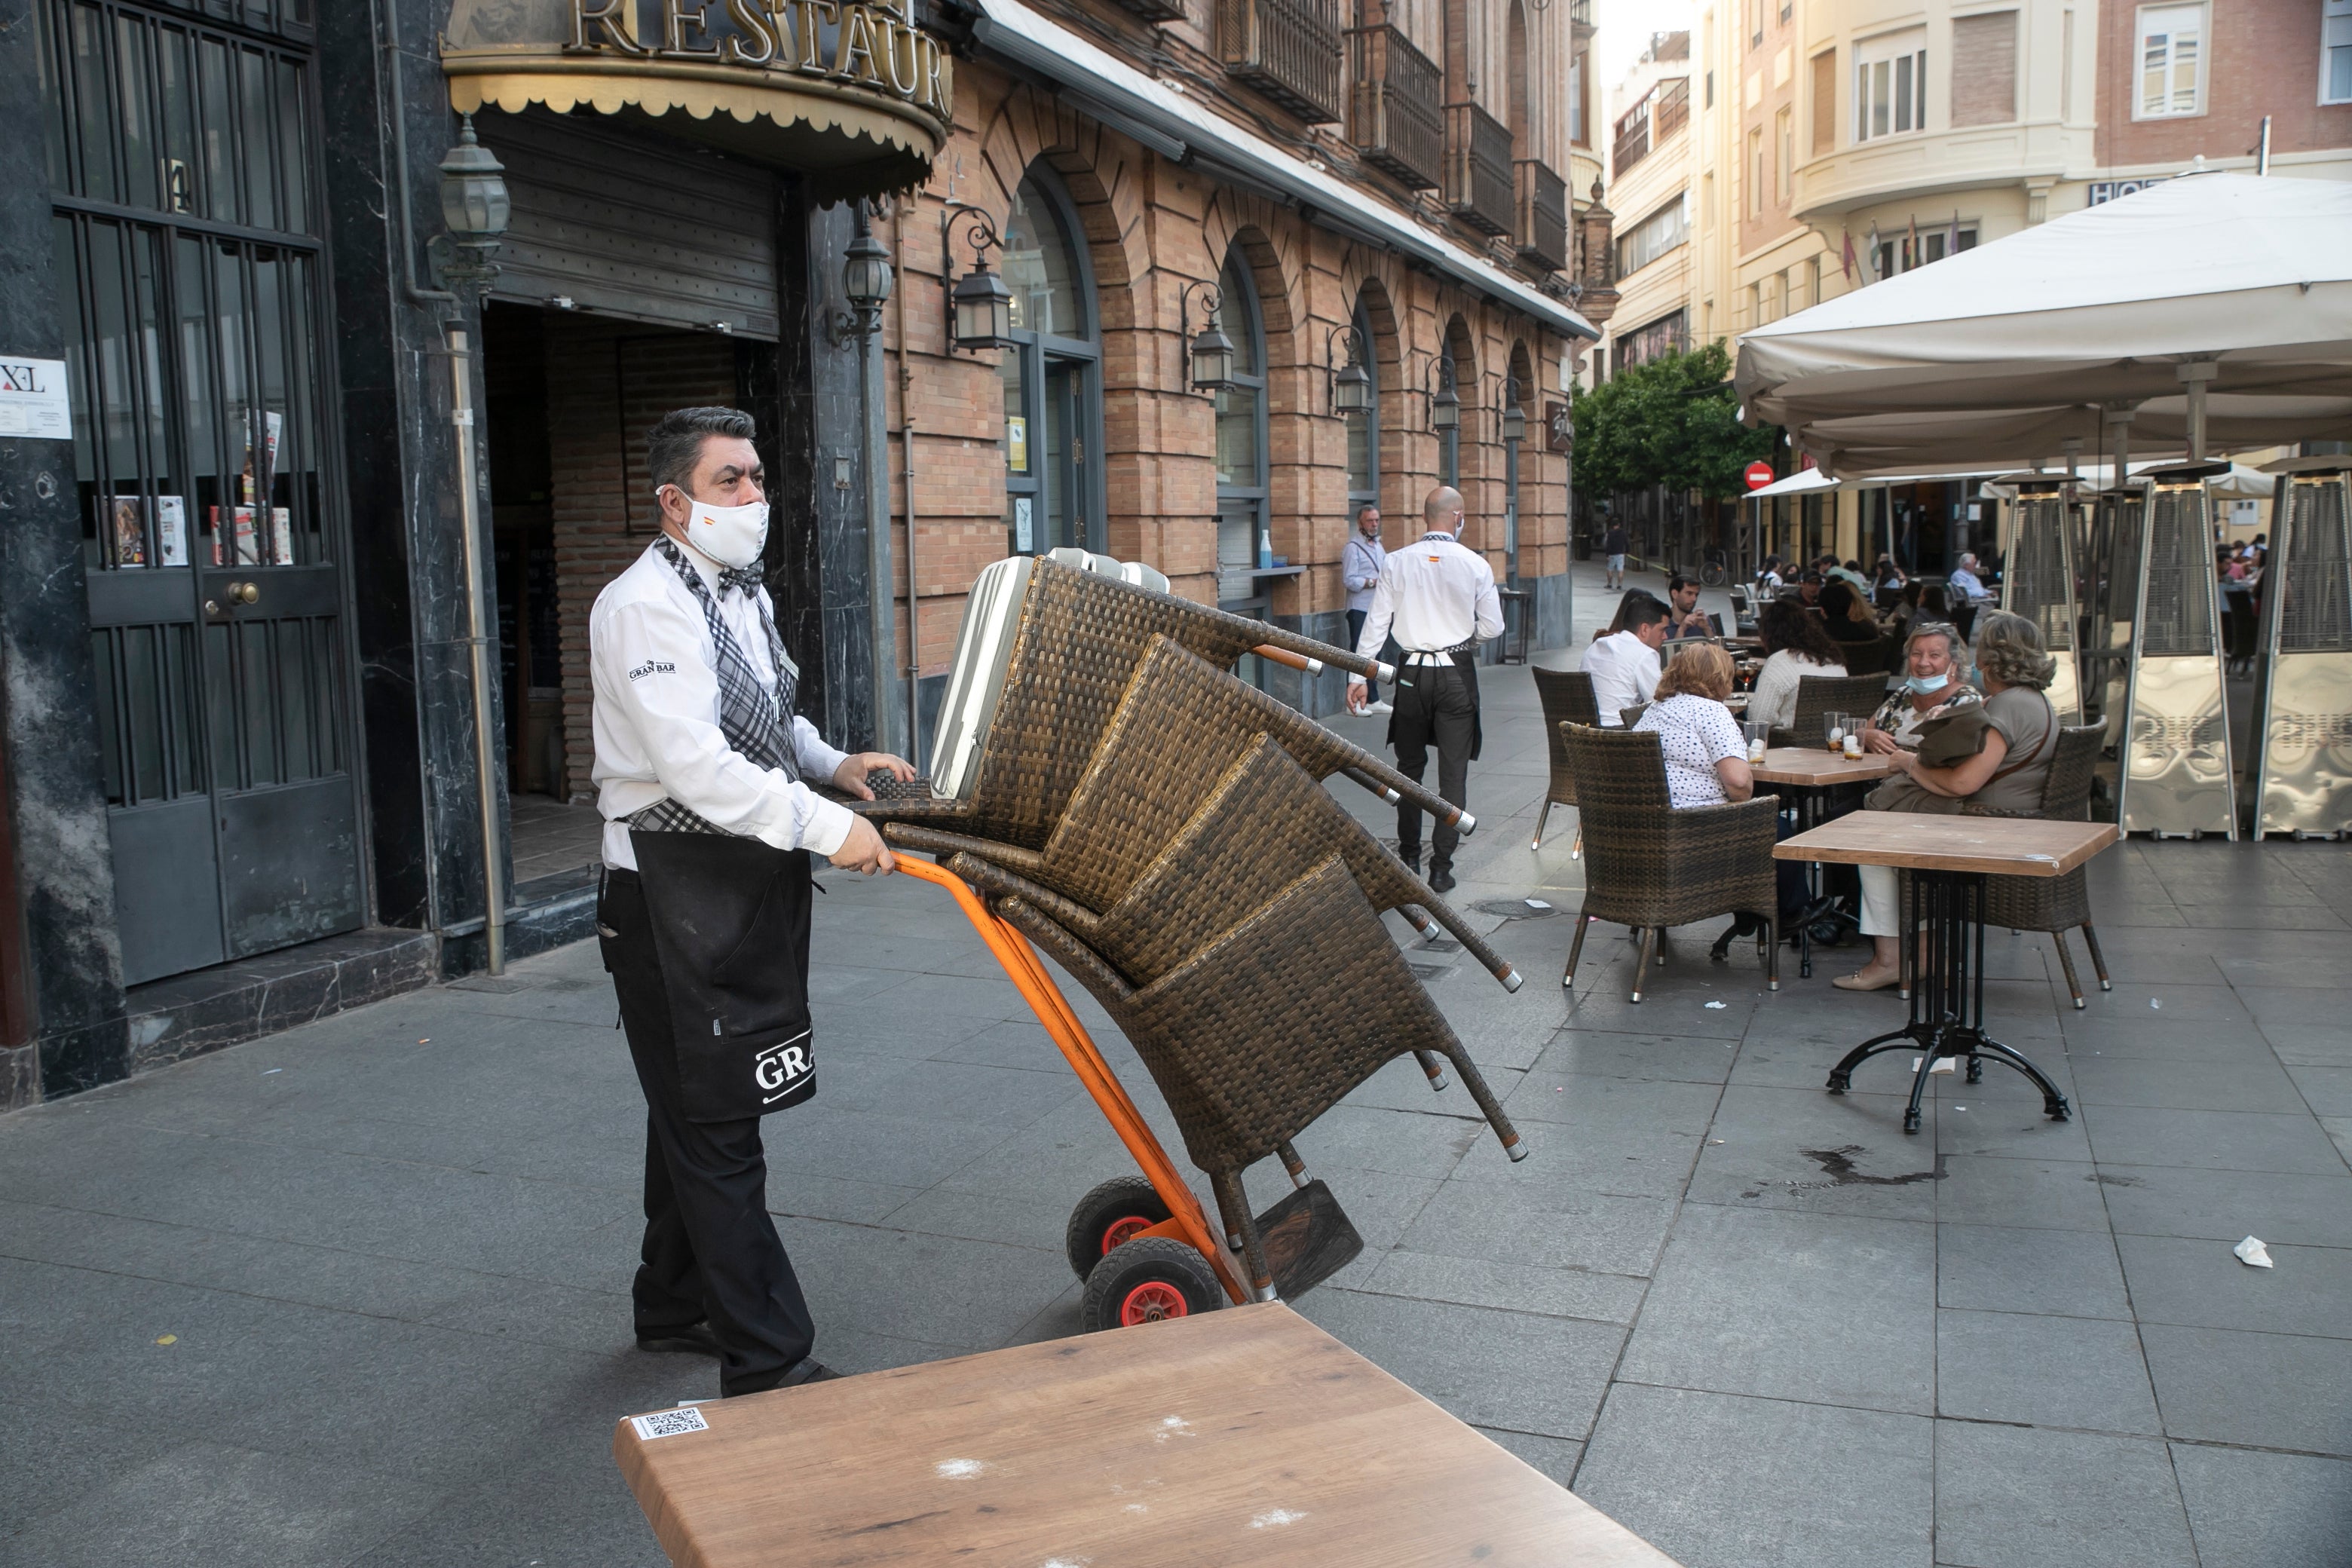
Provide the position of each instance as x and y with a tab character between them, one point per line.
1439	600
703	773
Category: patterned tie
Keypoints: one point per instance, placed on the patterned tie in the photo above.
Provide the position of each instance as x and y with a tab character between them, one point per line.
756	721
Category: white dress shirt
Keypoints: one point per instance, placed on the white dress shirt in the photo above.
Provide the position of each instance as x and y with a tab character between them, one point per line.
657	717
1624	671
1433	595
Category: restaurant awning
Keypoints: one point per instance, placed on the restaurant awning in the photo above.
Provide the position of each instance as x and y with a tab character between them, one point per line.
854	96
2004	351
1109	90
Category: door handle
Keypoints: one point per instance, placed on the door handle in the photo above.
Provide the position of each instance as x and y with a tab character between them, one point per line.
243	592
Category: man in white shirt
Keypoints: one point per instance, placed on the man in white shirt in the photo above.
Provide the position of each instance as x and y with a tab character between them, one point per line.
1624	665
1439	599
704	915
1359	573
1965	584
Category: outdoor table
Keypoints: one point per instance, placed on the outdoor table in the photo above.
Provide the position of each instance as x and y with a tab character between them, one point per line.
1808	775
1948	858
1240	1436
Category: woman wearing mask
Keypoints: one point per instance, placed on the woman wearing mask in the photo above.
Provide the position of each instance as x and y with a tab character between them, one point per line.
1934	678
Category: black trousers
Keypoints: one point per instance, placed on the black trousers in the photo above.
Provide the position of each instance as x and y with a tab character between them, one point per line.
710	1249
1433	704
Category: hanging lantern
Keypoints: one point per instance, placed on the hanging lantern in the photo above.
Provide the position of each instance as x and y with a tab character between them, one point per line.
1212	359
1514	423
1351	390
866	276
1446	410
984	310
474	202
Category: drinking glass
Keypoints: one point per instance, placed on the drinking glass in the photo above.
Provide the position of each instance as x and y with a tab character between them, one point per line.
1759	736
1833	729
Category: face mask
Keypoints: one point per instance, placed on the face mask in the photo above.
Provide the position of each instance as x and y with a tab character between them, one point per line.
731	535
1924	684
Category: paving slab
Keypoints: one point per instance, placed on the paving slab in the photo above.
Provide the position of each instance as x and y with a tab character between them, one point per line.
2251	1509
2032	1370
2015	1497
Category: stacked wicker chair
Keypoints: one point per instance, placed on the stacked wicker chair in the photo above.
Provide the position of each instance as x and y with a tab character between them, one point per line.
1168	841
1818	696
1650	866
1567	699
2056	904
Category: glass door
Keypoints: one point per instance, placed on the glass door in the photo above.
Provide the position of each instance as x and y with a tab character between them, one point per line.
195	308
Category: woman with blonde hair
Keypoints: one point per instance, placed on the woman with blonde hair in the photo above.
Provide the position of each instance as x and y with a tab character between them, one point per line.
2021	736
1706	756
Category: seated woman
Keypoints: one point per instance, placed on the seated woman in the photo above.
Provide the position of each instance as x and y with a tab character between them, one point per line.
1845	615
2009	775
1707	757
1921	601
1796	644
1935	678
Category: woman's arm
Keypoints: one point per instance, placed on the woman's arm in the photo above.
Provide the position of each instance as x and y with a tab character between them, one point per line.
1960	780
1738	782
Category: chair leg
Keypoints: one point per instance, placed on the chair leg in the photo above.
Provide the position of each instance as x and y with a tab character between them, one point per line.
1576	849
1662	947
1488	1105
1772	951
1642	959
2066	962
1575	946
2098	962
1542	817
1227	1186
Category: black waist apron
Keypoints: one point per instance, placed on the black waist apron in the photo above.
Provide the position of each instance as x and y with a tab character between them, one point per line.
730	924
1418	730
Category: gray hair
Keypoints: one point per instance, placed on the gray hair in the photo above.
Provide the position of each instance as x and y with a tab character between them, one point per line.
674	444
2008	649
1945	629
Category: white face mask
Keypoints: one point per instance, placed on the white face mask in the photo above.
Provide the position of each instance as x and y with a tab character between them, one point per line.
731	535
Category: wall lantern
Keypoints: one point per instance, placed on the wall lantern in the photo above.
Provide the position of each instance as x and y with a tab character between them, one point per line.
1445	407
866	282
978	303
1515	415
1351	386
474	210
1213	351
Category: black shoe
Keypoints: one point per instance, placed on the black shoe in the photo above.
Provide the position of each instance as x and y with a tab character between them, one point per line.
1440	878
1412	861
808	1368
1741	925
694	1339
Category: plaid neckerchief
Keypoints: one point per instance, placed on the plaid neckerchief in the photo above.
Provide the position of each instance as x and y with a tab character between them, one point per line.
755	720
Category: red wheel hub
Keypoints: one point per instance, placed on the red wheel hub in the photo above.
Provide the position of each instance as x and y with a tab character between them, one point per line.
1150	1302
1124	1229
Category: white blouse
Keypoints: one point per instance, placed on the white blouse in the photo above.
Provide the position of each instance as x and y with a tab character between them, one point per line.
1695	733
1774	700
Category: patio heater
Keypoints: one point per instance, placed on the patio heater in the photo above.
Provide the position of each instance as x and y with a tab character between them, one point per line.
2304	717
2037	552
2110	579
2173	777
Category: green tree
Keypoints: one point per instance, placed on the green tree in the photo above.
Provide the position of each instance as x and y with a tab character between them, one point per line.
1671	421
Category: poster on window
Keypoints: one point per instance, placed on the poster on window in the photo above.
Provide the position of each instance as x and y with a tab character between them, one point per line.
246	551
282	536
170	530
1022	540
1016	443
125	523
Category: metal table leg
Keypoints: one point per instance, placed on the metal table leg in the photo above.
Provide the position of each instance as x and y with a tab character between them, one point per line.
1947	996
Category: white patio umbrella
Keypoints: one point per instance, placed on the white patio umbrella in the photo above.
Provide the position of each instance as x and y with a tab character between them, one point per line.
2228	290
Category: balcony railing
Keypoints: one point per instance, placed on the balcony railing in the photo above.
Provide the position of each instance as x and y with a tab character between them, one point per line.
1392	114
1289	51
1153	10
1632	146
1478	168
1648	123
1672	111
1542	230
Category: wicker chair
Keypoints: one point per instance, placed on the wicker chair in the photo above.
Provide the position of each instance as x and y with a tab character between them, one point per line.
1652	866
1567	698
1260	1032
1820	695
2056	904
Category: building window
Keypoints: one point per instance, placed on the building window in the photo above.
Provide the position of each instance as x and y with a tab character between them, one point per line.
2171	62
1755	22
1784	134
1653	236
2336	53
1824	110
1052	374
1364	429
1670	332
1755	304
1890	85
1906	252
1756	172
1710	90
1984	69
1814	281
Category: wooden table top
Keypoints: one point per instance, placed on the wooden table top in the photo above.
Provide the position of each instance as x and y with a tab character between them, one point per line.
1817	765
1241	1436
2004	846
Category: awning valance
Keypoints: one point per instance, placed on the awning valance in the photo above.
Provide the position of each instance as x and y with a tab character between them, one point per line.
853	94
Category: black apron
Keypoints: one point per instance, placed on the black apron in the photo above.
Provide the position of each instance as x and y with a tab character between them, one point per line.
730	924
1466	660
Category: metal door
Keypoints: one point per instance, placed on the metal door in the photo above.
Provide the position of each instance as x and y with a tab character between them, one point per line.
181	160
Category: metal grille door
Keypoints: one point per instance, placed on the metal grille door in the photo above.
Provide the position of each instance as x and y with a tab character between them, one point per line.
2175	773
181	161
2305	784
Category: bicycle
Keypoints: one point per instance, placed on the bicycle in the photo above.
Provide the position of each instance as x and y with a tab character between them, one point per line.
1717	570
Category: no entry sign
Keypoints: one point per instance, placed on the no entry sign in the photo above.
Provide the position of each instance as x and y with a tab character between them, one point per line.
1760	474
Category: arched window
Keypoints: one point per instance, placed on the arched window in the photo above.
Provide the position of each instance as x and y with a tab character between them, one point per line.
1052	399
1364	429
1242	522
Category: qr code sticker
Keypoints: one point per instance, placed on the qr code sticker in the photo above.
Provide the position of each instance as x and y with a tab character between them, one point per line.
668	1423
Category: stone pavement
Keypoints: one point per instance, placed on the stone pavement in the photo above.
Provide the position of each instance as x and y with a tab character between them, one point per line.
357	1293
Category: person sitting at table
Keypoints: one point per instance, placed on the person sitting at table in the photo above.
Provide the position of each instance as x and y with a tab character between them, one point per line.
1845	616
2020	738
1922	601
1796	644
1851	574
1684	618
1706	756
1809	588
1624	664
1887	583
1768	580
1934	669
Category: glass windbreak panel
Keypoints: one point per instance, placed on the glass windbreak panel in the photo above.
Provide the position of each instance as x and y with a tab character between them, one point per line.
1237	449
1041	266
1017	457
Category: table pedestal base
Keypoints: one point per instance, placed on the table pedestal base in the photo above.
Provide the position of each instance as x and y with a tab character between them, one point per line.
1946	971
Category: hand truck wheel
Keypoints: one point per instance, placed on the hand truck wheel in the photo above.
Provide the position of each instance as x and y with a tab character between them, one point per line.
1107	1217
1145	1280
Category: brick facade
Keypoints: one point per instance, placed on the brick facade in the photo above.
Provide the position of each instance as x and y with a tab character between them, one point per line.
2263	59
